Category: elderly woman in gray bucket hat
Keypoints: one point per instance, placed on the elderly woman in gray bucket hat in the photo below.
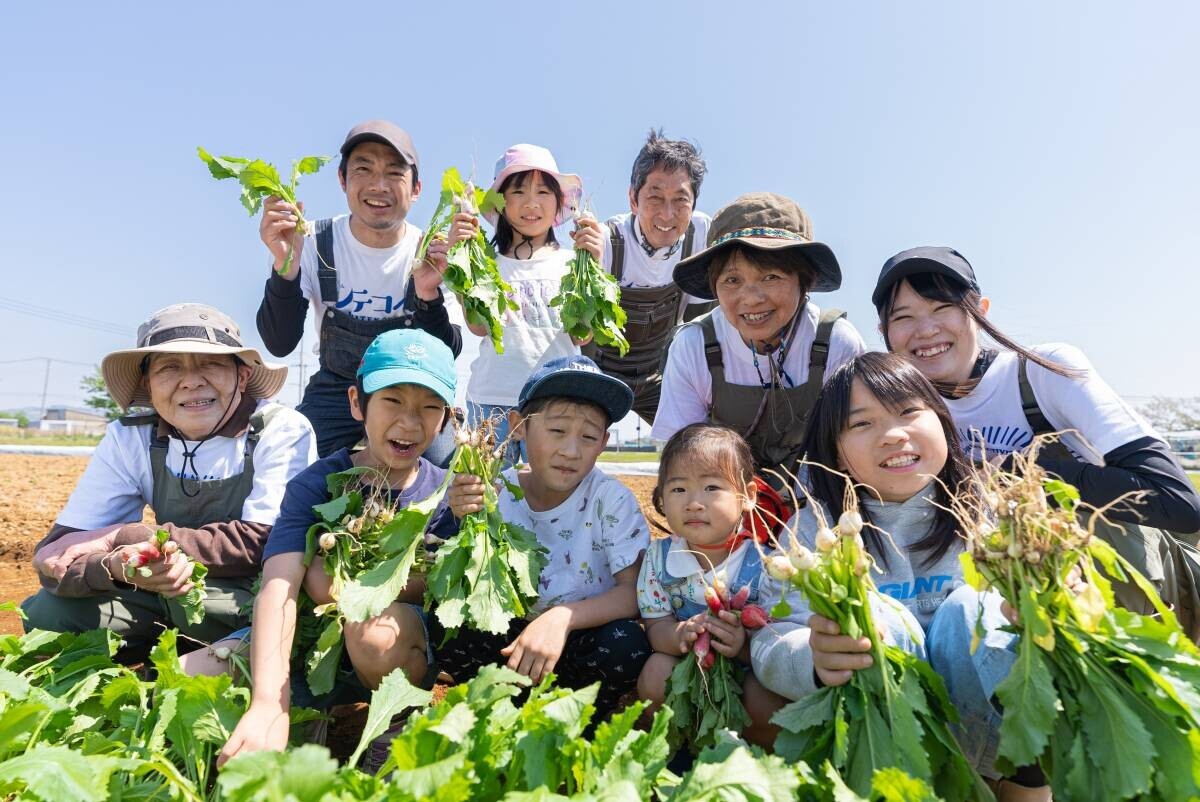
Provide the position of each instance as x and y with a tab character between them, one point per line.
210	456
758	361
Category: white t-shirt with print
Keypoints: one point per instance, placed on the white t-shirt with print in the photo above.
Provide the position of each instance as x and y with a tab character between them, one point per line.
990	417
654	601
370	281
596	533
118	482
687	382
533	333
641	269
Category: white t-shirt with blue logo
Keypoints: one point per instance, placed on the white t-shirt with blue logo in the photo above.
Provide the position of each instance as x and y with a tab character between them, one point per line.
911	592
990	420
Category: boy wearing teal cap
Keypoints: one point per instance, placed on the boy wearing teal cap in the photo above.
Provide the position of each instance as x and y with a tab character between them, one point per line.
403	393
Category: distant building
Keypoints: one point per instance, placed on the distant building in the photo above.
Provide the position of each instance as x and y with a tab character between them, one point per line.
71	420
1185	442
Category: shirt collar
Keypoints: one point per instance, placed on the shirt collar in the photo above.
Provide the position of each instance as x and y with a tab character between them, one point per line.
647	248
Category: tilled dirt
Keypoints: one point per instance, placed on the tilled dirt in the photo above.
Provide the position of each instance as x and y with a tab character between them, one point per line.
34	488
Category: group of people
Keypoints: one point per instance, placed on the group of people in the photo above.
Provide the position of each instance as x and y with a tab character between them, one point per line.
751	385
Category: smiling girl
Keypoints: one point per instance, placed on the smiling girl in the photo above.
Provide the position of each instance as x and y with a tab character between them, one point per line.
882	423
757	363
705	488
537	197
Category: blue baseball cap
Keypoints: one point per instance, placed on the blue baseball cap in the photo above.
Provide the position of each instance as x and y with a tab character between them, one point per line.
578	377
408	356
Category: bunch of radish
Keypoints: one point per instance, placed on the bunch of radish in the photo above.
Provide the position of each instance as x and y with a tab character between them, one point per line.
892	714
705	689
159	546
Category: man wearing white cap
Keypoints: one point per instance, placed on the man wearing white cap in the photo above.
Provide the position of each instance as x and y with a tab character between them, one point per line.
210	458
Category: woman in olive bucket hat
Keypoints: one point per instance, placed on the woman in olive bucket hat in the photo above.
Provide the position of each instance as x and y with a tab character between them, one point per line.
211	457
757	362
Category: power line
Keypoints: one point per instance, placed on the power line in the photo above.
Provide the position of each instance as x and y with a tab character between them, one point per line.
59	316
48	358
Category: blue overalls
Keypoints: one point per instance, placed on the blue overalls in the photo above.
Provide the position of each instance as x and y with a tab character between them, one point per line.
750	573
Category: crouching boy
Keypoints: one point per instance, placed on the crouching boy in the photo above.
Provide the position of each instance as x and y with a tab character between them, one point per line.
403	393
583	627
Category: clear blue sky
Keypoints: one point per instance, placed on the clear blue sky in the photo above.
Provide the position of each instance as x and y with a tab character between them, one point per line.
1054	144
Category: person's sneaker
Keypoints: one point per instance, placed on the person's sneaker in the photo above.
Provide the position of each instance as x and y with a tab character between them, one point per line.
380	749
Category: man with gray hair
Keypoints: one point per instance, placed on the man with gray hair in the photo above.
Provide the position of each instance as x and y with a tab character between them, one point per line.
644	246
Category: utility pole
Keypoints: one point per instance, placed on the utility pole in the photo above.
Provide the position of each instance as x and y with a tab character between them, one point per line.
45	386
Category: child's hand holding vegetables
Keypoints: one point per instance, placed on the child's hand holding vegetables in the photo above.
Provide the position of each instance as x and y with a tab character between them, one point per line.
689	630
463	226
279	231
465	495
589	236
836	656
728	635
536	650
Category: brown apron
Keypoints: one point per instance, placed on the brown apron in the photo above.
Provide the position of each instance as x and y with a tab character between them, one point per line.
651	314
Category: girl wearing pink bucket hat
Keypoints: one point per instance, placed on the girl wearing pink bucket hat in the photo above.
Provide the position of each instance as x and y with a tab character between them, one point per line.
537	197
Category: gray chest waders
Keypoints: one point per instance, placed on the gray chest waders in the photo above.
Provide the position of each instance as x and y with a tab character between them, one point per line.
772	420
192	504
651	315
1170	561
344	339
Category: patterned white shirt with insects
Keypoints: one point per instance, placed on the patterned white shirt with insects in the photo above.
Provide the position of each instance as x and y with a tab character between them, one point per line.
597	532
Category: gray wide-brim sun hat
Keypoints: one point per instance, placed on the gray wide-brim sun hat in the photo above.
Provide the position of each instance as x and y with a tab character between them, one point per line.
186	329
767	222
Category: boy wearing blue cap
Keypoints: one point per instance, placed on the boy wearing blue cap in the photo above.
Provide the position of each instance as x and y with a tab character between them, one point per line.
583	626
403	393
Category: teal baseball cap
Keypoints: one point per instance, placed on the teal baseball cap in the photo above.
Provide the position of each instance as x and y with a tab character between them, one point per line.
408	356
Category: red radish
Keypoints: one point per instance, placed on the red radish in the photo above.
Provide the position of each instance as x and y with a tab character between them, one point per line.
739	599
701	646
754	617
707	661
722	588
714	601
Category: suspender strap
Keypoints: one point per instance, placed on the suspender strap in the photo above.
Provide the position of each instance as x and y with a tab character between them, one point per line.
1029	404
712	348
326	274
688	239
616	242
818	355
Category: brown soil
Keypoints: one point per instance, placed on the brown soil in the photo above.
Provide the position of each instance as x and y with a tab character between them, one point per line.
36	488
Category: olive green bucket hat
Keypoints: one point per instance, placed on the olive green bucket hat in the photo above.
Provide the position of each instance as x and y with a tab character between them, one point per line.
767	222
